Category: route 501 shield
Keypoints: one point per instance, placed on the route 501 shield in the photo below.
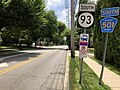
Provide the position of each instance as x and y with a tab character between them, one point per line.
108	24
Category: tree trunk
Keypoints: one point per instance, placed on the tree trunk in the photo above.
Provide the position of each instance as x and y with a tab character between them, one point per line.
28	44
20	47
35	43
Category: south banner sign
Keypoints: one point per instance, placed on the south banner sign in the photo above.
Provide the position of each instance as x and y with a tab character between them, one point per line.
87	7
108	24
107	12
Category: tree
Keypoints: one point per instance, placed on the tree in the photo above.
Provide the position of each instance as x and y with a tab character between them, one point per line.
39	12
50	26
22	15
61	27
58	37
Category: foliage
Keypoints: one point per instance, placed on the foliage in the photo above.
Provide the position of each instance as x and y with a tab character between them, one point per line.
113	46
61	35
50	27
27	22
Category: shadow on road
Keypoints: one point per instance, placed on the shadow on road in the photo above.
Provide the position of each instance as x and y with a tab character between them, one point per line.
20	57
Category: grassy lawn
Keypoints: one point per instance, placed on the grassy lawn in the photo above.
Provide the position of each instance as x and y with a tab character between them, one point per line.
17	48
90	81
8	50
4	47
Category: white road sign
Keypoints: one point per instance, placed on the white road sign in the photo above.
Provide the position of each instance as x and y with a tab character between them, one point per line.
85	19
87	7
83	45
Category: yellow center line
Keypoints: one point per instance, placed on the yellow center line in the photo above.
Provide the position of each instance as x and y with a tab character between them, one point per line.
19	64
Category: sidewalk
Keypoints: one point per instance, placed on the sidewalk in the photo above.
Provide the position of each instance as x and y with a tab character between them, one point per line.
109	78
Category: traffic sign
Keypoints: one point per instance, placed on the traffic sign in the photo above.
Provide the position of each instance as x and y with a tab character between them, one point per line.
86	16
110	12
85	19
84	37
108	24
83	45
87	7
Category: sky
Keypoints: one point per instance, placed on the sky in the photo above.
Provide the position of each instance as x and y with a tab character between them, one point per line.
59	7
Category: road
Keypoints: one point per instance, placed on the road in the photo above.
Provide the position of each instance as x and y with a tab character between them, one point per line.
34	70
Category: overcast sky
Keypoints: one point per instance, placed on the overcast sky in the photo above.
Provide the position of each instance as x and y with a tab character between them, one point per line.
59	7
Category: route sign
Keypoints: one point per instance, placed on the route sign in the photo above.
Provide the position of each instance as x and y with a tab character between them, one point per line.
108	24
83	45
86	16
87	7
110	12
85	19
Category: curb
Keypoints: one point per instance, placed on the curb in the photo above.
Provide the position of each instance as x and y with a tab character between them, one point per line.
66	78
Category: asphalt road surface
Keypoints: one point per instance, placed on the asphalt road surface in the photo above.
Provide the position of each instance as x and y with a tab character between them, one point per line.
34	70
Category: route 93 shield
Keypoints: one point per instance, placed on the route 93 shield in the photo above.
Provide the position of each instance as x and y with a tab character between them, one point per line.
85	19
83	45
86	16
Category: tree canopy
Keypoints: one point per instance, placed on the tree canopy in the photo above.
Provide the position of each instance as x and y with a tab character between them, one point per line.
27	21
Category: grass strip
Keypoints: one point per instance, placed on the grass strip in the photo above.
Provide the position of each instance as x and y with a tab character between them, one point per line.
90	81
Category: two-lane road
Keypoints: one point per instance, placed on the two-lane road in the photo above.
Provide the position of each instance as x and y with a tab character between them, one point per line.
35	70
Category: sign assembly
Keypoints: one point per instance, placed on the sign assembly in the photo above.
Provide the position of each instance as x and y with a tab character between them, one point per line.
86	15
83	45
108	24
85	20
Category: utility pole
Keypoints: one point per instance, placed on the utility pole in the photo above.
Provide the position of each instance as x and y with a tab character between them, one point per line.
72	30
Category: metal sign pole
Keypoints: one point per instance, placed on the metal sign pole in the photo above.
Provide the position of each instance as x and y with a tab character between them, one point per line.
84	30
104	54
81	64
